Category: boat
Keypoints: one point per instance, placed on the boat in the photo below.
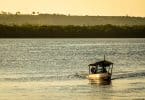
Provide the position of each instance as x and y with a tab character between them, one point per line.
100	72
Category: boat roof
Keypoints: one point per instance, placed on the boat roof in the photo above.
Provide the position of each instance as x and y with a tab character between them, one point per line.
102	63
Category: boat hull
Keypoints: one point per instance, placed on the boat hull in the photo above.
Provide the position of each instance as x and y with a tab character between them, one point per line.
101	78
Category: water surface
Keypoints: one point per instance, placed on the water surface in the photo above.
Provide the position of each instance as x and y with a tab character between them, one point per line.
40	69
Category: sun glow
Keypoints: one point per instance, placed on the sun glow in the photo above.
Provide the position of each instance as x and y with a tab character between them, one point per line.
77	7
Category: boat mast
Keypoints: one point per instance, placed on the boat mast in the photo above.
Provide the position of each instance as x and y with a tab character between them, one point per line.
104	57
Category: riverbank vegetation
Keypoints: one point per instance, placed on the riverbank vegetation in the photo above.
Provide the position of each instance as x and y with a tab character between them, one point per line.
70	31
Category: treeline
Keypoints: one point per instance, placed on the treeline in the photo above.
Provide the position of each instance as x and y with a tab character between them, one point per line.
70	31
55	19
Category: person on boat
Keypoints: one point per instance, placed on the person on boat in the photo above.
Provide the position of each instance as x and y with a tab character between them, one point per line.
104	70
93	70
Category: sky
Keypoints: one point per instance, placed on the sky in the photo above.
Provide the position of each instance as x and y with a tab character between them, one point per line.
77	7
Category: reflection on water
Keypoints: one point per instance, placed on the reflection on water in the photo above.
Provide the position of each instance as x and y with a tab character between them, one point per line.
99	82
56	69
72	90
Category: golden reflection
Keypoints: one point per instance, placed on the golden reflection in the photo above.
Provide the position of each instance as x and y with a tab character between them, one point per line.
99	82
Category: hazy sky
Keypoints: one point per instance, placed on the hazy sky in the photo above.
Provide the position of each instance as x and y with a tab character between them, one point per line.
77	7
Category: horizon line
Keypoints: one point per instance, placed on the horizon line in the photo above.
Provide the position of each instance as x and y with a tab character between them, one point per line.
61	14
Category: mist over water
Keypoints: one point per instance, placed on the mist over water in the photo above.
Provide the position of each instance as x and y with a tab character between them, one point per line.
56	68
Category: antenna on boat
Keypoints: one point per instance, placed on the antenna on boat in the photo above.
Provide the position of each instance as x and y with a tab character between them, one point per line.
104	57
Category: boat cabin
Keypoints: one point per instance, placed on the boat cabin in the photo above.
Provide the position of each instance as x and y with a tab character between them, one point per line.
101	67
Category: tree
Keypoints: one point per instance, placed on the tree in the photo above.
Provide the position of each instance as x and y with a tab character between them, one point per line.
37	13
33	13
18	13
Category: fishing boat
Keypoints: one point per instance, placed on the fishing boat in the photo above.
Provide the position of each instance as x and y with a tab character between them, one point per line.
100	72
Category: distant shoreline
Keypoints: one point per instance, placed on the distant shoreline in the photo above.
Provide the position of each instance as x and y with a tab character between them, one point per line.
71	31
57	19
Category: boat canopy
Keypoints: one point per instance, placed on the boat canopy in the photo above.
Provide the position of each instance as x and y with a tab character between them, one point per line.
102	63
